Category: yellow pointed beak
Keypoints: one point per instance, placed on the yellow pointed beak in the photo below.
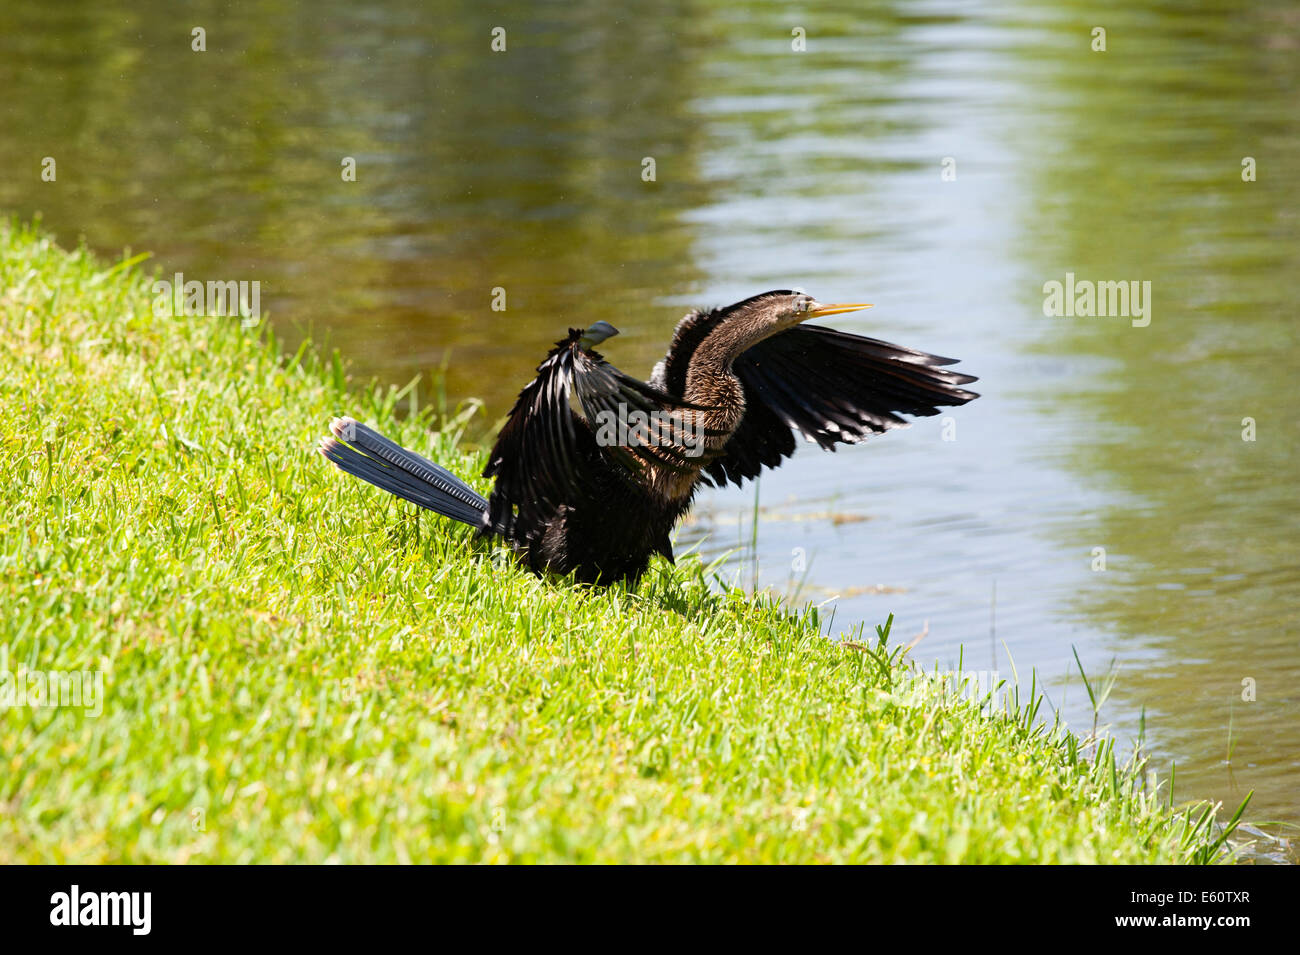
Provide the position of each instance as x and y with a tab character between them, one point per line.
818	310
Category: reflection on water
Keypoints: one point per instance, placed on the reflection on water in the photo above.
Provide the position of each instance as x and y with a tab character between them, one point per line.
1201	526
522	171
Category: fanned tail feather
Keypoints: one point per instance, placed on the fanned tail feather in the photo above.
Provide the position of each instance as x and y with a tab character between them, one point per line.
365	453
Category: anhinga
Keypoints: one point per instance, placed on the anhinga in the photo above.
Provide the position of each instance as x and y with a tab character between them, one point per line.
595	493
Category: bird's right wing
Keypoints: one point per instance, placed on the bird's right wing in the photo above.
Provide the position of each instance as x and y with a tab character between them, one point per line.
548	455
832	387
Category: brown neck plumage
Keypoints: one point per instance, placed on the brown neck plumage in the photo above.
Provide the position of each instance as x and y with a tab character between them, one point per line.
728	340
710	382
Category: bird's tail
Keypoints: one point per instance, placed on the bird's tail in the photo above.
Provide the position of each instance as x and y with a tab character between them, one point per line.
365	453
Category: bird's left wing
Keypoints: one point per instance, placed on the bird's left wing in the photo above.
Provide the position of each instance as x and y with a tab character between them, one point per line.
548	455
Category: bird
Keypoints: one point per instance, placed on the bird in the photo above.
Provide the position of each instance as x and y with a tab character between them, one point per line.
593	468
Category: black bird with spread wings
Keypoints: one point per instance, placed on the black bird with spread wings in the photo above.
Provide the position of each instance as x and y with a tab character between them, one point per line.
596	493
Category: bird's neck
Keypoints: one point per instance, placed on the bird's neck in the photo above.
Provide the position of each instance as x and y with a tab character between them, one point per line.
711	383
719	406
713	357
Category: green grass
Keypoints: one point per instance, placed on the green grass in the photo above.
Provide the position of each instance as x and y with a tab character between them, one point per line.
300	668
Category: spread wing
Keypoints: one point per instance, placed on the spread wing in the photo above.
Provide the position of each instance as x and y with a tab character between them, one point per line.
548	455
830	386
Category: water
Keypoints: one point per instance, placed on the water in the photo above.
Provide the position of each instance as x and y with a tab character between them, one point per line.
819	170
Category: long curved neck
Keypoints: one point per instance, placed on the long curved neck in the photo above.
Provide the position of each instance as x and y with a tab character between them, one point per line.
709	379
712	386
719	398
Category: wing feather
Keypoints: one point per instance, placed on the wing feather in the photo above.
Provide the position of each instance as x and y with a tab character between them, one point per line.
548	456
832	387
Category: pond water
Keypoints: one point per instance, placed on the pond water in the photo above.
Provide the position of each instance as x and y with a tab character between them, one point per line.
944	161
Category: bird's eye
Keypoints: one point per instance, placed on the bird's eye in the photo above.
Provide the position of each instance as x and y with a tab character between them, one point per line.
803	303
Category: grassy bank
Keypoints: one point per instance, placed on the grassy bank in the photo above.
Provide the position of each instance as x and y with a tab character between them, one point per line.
298	668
